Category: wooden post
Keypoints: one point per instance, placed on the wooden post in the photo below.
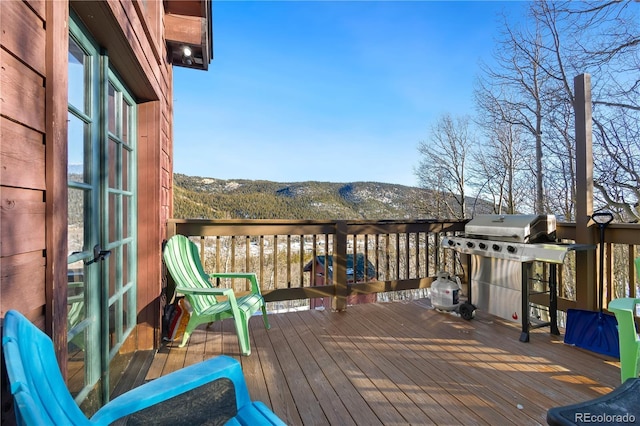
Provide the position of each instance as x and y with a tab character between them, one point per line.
339	301
56	95
586	270
151	230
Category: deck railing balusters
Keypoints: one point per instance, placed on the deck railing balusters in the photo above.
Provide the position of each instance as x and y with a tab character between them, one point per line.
408	264
289	261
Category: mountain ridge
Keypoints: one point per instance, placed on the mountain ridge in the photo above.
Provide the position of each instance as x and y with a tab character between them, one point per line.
212	198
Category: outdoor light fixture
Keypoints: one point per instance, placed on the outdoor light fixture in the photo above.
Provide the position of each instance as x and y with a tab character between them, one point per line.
187	58
188	33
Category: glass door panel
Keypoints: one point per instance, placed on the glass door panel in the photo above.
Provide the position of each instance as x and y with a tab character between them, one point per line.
82	229
120	226
101	211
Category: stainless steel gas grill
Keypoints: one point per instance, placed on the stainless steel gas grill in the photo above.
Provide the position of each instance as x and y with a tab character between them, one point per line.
502	250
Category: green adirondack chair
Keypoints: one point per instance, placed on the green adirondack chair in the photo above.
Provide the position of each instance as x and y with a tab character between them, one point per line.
624	309
183	262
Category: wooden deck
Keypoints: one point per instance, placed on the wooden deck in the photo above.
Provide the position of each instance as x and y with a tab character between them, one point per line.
401	363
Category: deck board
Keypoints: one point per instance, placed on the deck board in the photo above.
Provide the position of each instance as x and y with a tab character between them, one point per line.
349	396
332	409
427	374
401	363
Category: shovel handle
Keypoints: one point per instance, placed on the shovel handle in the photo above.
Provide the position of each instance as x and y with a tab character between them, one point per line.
602	219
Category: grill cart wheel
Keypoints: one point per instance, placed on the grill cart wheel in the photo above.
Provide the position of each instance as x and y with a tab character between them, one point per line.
467	311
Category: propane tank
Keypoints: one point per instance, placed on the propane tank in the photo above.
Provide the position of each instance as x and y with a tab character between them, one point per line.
445	292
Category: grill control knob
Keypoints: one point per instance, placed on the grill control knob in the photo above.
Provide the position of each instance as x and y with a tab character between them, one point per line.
470	244
511	249
496	247
451	242
483	246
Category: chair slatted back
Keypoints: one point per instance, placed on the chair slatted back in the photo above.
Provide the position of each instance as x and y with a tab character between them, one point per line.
183	262
39	391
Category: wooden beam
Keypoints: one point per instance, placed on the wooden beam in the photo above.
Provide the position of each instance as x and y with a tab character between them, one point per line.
186	7
56	94
184	29
150	233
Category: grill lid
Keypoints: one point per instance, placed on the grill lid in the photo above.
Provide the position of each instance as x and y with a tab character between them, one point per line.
513	228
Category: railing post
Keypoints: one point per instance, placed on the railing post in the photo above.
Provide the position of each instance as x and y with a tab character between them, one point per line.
171	229
585	260
339	301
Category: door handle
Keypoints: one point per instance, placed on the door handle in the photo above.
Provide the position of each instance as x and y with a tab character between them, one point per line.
98	255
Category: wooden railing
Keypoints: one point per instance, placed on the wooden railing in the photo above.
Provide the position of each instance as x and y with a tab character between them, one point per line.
400	255
621	279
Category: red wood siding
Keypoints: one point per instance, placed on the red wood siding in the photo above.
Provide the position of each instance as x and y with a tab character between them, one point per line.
33	131
23	34
23	185
22	159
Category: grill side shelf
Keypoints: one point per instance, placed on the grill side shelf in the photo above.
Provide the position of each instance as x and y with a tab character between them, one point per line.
519	252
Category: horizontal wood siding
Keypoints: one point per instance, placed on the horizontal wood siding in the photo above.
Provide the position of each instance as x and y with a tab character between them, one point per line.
23	34
23	72
22	215
22	171
22	92
21	155
38	7
20	272
134	32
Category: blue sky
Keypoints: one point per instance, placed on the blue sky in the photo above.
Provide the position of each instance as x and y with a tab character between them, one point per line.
328	91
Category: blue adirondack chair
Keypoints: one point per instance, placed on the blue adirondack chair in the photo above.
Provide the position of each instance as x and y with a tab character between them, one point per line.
42	398
183	262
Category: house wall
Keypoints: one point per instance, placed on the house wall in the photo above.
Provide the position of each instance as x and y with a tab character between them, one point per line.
33	152
33	110
23	146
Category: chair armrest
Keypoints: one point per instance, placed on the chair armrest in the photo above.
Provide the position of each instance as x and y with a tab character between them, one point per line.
228	292
623	304
251	276
174	384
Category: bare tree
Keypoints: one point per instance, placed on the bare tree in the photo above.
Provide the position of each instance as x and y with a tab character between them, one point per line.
560	166
501	168
531	86
601	38
443	164
617	165
512	92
